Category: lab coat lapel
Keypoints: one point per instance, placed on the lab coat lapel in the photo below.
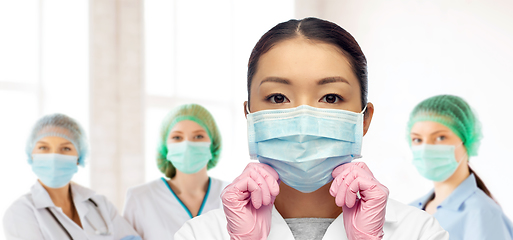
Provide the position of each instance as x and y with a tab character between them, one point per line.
281	231
91	216
81	197
337	230
279	228
40	196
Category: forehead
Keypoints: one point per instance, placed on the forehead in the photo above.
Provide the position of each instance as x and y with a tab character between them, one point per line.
428	127
300	59
53	140
187	126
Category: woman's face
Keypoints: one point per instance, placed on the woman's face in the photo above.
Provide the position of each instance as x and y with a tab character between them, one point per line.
55	145
433	133
299	72
187	130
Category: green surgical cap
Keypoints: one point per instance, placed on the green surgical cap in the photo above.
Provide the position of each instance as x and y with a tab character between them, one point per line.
454	113
197	114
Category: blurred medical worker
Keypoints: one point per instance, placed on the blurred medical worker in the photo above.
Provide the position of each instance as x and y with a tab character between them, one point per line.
189	145
444	133
307	113
56	208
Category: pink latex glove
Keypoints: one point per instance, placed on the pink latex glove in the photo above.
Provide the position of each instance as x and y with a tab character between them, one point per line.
248	202
363	218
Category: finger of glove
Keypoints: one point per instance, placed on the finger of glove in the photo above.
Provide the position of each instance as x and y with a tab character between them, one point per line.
266	194
248	184
336	183
337	188
257	166
339	193
346	169
353	182
231	194
271	177
372	192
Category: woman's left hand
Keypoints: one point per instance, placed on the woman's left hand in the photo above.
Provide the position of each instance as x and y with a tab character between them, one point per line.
363	218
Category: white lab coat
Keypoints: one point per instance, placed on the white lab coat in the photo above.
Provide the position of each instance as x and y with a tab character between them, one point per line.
156	213
28	218
402	222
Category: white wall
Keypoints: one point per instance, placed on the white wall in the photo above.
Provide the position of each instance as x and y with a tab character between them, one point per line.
418	49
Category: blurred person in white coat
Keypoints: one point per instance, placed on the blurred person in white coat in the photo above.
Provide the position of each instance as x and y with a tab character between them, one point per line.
189	145
55	207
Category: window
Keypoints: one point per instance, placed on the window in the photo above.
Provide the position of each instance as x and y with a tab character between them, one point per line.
199	55
44	58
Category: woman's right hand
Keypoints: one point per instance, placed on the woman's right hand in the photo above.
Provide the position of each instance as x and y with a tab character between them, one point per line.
248	202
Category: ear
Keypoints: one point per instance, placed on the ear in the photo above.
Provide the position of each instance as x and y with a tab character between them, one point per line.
367	117
245	109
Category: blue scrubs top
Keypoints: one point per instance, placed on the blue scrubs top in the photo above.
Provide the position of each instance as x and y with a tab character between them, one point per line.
468	213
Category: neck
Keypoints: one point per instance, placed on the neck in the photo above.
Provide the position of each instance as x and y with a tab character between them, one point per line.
190	183
61	197
445	188
292	203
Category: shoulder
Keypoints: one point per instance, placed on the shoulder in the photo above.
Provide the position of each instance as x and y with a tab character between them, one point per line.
217	184
23	204
20	219
484	211
404	220
211	225
480	202
145	189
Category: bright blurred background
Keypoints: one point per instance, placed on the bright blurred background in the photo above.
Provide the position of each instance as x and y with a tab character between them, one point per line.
118	66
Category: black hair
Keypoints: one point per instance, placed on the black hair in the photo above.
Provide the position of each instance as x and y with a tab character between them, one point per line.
317	30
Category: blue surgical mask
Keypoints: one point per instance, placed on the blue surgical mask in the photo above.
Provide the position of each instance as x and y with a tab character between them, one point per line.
304	144
189	157
435	162
54	170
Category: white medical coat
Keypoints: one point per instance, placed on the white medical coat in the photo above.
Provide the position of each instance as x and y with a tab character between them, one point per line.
402	222
157	213
28	218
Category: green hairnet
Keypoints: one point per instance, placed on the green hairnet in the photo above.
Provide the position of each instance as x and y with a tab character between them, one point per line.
197	114
454	113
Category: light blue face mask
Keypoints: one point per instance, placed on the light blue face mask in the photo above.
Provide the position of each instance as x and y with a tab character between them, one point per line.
435	162
304	144
189	157
54	170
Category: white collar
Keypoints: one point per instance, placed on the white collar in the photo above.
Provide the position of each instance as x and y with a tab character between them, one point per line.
42	199
280	229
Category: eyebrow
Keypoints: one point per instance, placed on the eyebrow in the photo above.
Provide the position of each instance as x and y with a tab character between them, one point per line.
438	132
66	143
320	82
276	80
332	80
412	133
201	130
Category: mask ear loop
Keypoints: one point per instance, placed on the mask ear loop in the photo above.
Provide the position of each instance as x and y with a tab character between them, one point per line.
364	109
247	108
466	154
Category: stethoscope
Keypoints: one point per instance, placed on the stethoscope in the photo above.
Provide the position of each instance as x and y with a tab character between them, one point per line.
96	231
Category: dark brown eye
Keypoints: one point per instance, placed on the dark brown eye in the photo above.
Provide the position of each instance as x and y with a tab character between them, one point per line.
331	98
277	98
